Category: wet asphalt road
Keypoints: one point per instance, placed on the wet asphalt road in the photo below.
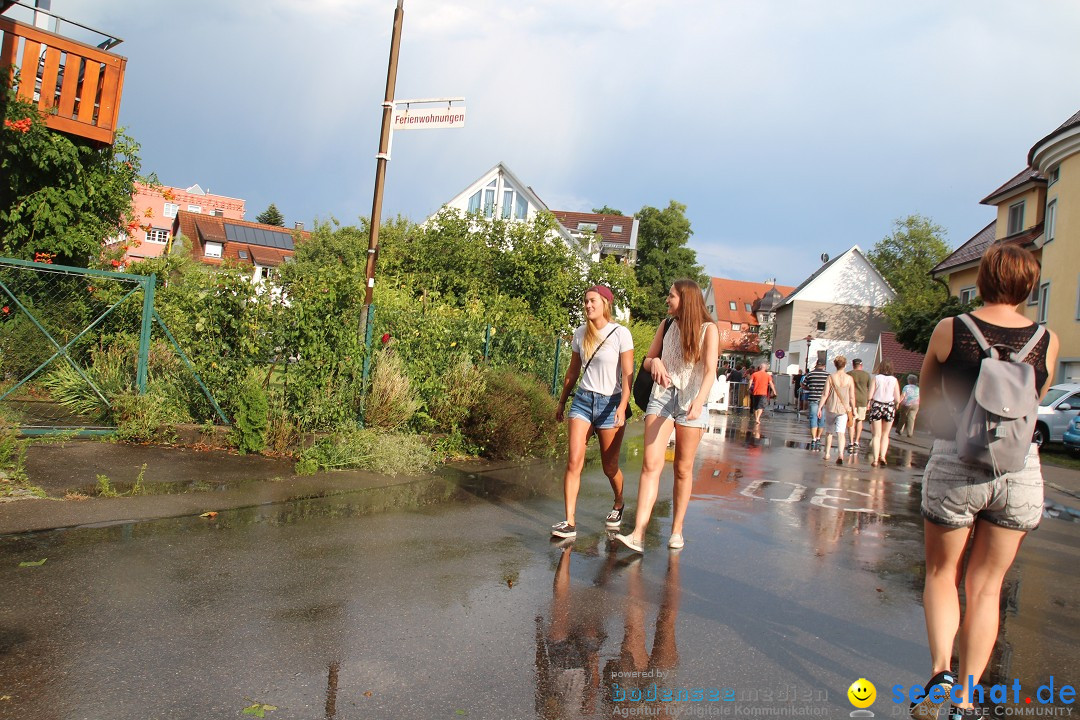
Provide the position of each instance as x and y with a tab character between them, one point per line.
445	598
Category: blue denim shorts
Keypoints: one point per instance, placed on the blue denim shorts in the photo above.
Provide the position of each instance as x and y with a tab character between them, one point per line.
665	403
596	409
955	494
815	421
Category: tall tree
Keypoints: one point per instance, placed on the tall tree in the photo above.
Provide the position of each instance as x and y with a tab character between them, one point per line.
271	216
61	197
662	258
904	258
607	211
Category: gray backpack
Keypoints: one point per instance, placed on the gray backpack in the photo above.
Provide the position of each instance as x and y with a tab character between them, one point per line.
995	427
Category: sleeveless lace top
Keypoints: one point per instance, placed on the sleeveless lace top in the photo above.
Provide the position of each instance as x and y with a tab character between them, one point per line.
685	377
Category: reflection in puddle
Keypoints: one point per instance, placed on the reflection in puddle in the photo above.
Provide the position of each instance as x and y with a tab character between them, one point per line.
575	675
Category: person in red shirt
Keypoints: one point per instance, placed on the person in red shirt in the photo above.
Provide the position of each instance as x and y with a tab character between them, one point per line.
761	386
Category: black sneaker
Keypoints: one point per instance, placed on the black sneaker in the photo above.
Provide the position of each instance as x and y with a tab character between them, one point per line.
563	530
614	518
927	708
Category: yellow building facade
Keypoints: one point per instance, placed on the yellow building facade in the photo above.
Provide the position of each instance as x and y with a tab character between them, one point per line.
1038	209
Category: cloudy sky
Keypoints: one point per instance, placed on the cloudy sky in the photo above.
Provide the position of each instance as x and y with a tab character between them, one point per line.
788	128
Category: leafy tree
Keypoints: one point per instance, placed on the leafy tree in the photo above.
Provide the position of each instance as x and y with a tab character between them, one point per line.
913	331
607	211
62	196
904	258
271	216
662	258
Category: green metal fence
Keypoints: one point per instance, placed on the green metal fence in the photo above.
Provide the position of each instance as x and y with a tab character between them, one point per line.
71	339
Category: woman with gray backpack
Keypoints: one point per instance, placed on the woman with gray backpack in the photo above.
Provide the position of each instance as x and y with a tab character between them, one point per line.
982	376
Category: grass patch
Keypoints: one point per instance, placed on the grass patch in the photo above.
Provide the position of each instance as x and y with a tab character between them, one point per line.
379	451
1059	456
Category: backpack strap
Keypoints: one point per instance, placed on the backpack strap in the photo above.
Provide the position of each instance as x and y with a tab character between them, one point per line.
1026	350
1018	355
975	332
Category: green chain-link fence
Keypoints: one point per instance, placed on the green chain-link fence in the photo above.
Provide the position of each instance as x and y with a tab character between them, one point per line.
73	339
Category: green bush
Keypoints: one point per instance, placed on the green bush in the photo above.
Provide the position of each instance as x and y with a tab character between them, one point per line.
391	401
367	449
252	416
464	387
514	419
146	418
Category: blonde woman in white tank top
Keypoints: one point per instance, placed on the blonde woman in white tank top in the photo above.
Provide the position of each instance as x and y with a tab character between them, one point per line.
683	371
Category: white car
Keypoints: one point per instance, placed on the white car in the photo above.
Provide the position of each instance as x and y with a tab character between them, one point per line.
1056	411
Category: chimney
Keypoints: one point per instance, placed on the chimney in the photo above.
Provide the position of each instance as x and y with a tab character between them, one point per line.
298	226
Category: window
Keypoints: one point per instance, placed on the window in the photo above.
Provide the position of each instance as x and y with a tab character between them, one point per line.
218	212
1016	218
1054	176
242	254
157	235
1034	299
736	326
967	294
821	326
731	305
749	308
194	209
586	227
711	309
1051	220
474	202
213	250
822	356
1044	301
521	208
616	228
507	204
170	210
489	199
753	328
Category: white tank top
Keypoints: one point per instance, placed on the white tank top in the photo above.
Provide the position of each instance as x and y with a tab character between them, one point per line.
685	377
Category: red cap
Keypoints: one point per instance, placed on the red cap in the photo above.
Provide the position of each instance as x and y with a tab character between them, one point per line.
603	291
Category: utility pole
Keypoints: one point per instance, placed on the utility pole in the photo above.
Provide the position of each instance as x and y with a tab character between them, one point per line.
384	154
380	180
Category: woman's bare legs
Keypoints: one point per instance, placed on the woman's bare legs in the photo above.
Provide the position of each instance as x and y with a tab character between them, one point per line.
577	431
657	432
875	443
687	440
610	444
886	428
941	599
993	550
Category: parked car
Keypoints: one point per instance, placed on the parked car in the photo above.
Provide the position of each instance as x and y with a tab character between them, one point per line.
1056	411
1071	438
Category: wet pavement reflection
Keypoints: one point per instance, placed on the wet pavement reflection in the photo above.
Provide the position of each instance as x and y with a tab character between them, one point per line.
445	597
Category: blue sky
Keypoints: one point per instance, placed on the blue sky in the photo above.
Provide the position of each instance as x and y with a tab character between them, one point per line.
788	128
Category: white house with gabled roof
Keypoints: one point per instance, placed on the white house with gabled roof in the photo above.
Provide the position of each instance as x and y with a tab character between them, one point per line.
839	307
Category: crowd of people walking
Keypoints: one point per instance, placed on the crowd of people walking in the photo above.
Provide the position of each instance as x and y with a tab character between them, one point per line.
980	497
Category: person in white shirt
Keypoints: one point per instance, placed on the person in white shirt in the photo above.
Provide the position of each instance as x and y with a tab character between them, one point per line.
600	403
884	397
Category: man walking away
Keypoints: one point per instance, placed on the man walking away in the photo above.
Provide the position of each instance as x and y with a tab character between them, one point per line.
862	400
761	386
814	383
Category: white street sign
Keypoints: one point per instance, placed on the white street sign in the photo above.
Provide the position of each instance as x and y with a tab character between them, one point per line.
429	119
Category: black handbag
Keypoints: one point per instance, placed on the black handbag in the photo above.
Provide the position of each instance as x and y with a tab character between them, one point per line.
643	382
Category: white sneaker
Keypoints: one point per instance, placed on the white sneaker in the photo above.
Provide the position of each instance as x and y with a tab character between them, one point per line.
676	541
630	542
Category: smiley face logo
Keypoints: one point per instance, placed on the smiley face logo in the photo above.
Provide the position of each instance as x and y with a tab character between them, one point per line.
862	693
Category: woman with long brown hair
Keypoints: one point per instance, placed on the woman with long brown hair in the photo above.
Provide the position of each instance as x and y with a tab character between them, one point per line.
682	361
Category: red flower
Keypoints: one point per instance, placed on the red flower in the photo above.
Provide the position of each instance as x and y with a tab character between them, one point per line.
385	338
22	126
7	310
115	263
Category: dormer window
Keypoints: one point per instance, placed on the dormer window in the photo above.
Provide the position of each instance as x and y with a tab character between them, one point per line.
213	250
1016	218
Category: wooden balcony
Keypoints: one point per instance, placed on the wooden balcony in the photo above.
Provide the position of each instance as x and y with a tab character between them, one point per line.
76	86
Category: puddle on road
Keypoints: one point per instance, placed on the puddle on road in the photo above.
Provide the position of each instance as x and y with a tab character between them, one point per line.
1061	512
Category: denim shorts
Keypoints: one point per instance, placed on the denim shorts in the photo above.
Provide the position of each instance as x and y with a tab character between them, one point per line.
955	494
596	409
815	421
835	422
665	403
